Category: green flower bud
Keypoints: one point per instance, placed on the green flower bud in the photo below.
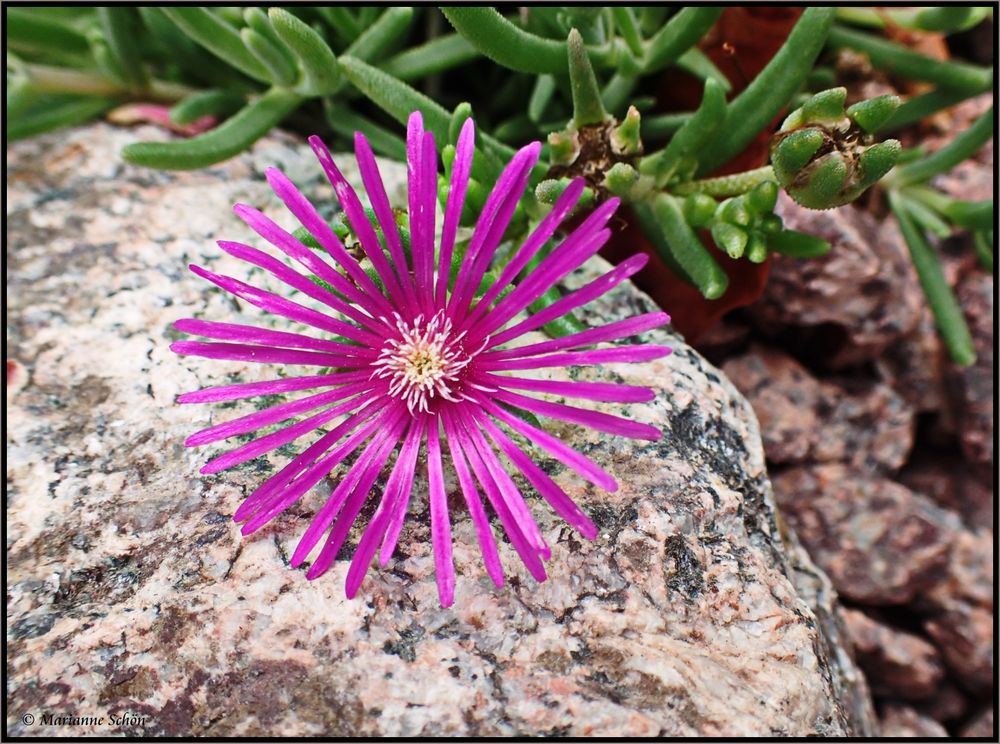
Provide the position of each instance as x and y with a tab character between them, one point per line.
564	147
771	224
735	211
825	108
625	137
448	158
730	238
791	152
877	160
763	197
873	113
620	178
827	178
699	209
462	112
756	248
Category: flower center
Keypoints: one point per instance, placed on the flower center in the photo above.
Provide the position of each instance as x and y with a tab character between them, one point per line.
425	362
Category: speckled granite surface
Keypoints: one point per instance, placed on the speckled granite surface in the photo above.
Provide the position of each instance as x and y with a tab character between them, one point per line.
131	593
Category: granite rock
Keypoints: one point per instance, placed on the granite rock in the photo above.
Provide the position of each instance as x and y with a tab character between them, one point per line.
974	384
982	725
131	593
803	419
902	721
897	664
880	543
848	306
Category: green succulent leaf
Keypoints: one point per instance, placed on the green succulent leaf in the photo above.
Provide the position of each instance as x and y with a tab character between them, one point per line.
120	24
943	303
228	139
217	36
678	35
664	224
437	55
280	66
771	90
320	71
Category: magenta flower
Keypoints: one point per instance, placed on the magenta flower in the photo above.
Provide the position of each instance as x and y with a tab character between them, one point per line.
419	363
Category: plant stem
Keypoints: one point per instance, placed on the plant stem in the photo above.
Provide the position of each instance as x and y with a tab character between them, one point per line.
723	186
46	79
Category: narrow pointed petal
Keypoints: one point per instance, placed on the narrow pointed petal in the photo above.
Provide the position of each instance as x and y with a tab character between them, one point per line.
272	303
567	257
484	534
608	332
306	213
368	463
591	419
528	555
357	218
282	412
562	452
261	336
269	387
367	473
270	442
461	167
541	234
605	392
628	353
367	417
577	298
265	354
401	489
557	498
444	566
376	529
489	230
375	188
509	491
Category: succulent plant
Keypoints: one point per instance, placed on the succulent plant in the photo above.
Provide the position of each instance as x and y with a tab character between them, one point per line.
576	78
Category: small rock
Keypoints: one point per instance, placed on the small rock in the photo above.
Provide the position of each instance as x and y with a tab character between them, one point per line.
880	543
959	611
981	726
803	419
902	721
915	364
898	664
848	306
974	385
948	703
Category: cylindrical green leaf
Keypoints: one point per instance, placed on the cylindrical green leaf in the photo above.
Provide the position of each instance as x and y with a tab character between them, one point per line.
437	55
629	27
679	34
971	215
771	90
666	228
228	139
798	245
120	25
218	37
587	106
894	58
545	86
513	47
321	73
378	37
27	32
947	313
60	112
694	135
963	146
872	114
205	103
281	69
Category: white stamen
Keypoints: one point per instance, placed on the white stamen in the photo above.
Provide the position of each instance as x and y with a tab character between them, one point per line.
424	362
